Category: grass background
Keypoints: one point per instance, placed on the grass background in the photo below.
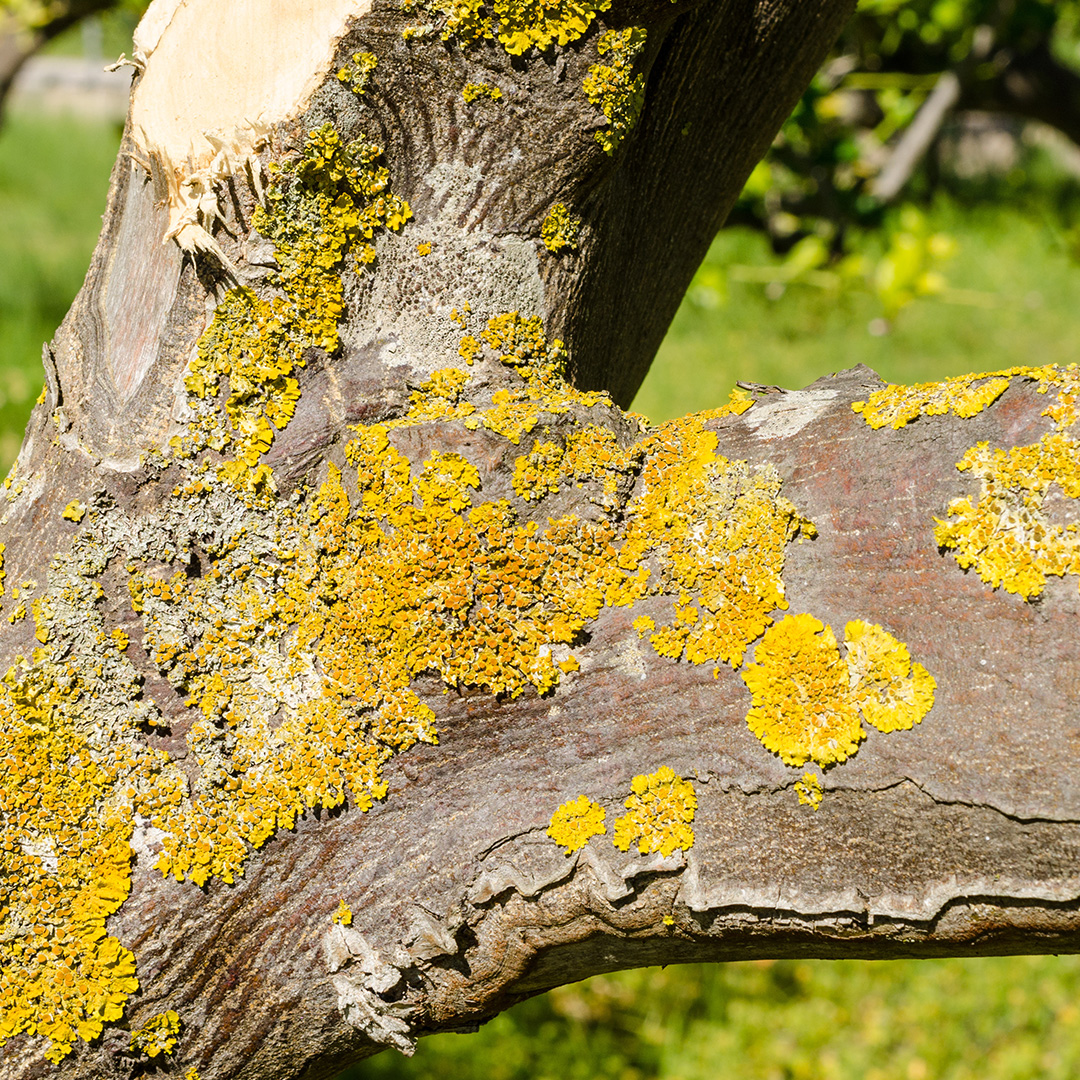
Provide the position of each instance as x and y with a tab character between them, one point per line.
986	1019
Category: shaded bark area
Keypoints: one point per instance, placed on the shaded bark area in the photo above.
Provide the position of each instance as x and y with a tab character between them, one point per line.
957	837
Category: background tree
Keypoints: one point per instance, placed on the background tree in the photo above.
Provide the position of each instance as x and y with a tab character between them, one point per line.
283	492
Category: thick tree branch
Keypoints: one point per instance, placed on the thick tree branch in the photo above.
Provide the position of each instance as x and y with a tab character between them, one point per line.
337	617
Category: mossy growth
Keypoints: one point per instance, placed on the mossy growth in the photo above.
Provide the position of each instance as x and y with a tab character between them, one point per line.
1007	535
614	87
560	230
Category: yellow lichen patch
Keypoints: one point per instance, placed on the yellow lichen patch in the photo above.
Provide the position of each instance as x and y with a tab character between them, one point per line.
324	624
1006	535
474	91
614	88
660	812
808	701
520	343
192	1074
560	230
802	709
74	511
356	74
438	398
519	25
892	693
591	454
158	1035
423	249
575	822
538	473
809	790
965	397
716	529
328	204
343	915
69	772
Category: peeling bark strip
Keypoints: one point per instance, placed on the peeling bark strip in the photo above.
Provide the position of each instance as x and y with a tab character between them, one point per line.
369	669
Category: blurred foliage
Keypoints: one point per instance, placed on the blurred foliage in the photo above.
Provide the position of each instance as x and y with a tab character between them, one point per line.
1010	1018
813	194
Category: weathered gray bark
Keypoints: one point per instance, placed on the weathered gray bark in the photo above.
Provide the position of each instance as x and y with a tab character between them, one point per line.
957	837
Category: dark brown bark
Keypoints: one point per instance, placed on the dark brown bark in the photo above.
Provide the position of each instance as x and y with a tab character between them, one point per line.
957	837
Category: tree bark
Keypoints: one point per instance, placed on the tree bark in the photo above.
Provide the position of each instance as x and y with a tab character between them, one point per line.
256	599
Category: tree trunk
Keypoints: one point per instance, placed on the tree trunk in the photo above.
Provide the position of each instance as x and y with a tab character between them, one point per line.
366	676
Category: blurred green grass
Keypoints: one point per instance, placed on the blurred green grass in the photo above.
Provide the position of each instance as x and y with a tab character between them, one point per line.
54	174
1001	1018
989	1019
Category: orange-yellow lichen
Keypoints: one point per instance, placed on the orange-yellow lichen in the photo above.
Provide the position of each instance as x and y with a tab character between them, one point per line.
560	230
1008	534
519	25
423	248
591	456
613	86
328	204
809	702
965	396
158	1035
892	693
74	511
660	811
575	822
474	91
343	915
809	790
716	530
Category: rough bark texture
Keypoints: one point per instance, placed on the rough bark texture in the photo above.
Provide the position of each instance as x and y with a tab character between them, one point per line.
957	837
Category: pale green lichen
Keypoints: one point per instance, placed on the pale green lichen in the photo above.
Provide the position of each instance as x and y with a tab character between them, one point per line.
614	87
